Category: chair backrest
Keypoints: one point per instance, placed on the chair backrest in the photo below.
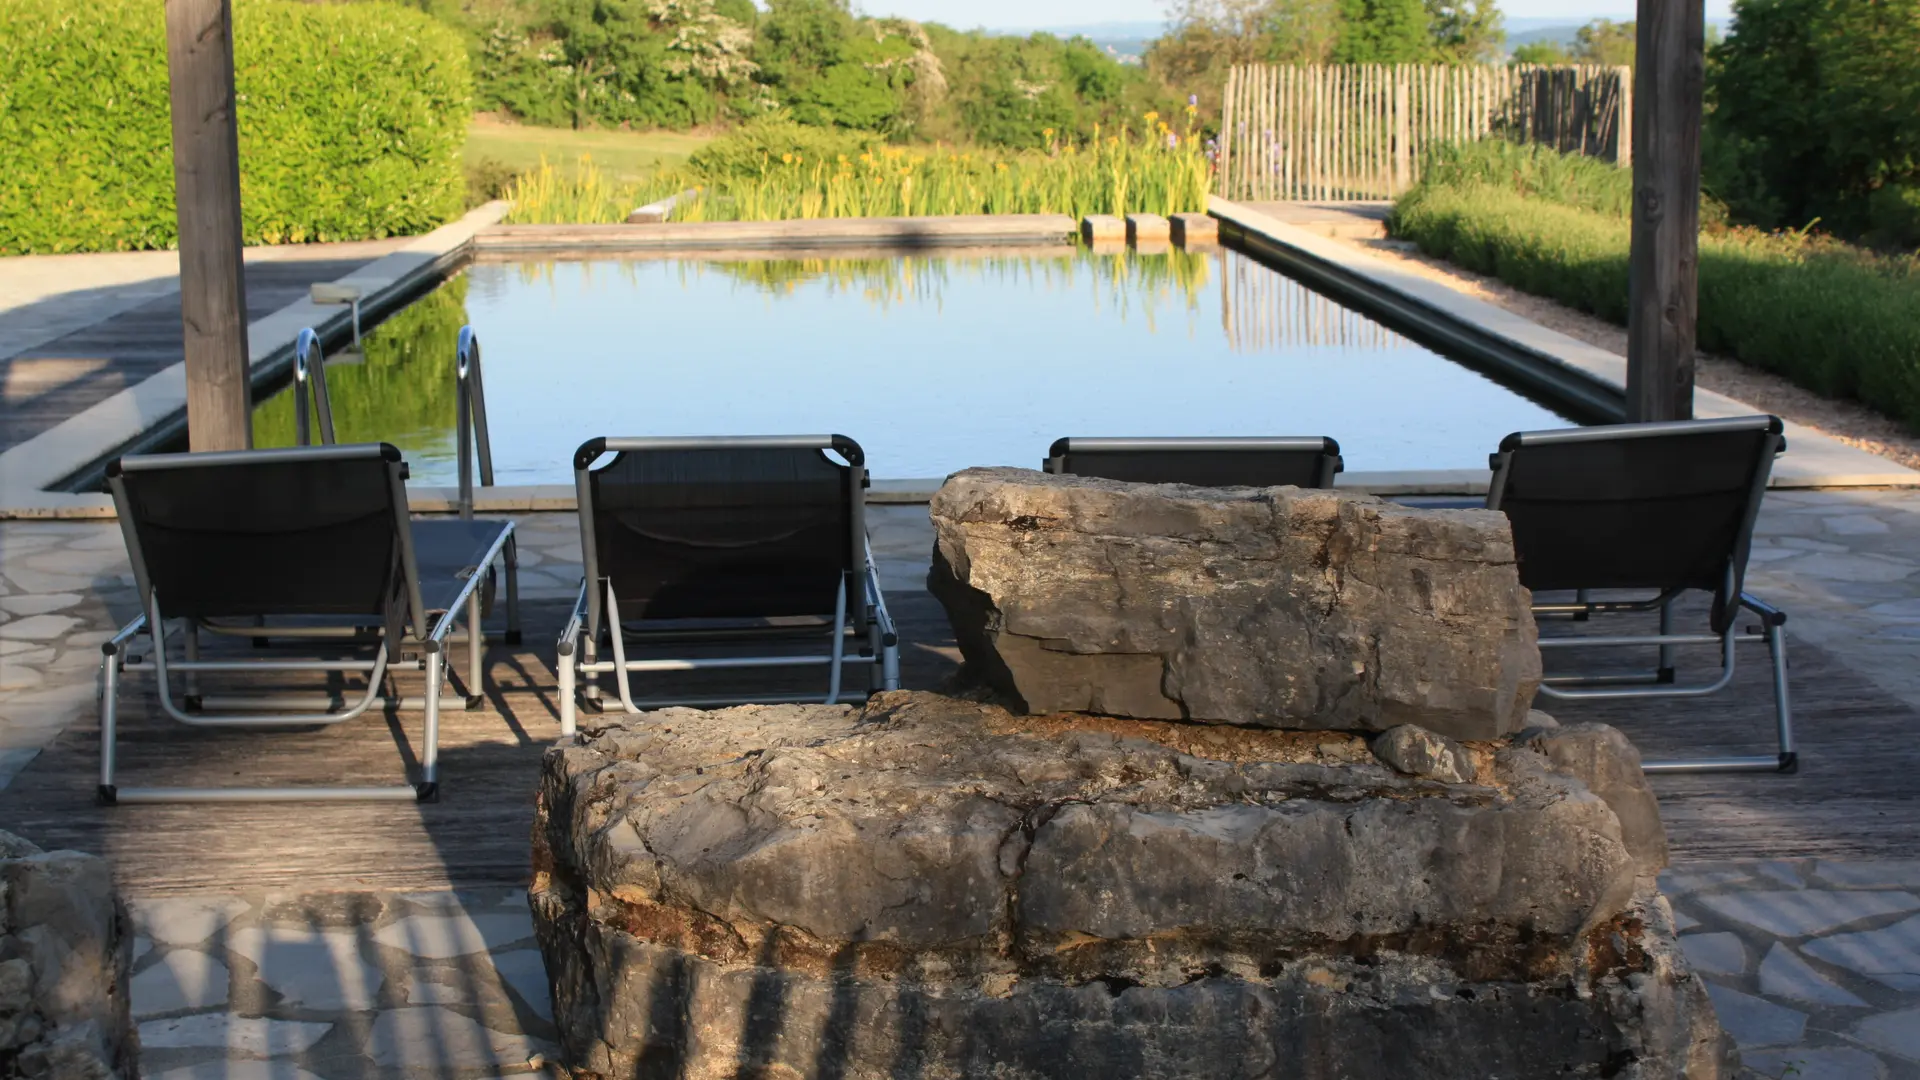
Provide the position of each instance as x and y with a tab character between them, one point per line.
1664	506
316	530
722	528
1306	461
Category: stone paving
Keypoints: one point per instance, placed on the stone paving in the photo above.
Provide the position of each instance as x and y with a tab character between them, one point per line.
1815	965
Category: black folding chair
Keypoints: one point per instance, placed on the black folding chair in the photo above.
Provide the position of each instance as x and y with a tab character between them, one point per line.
310	545
1666	508
1308	462
711	540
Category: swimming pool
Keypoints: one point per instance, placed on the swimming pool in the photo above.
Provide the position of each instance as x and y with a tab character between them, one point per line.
933	362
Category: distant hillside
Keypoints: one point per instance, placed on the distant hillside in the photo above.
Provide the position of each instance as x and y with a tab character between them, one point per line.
1125	41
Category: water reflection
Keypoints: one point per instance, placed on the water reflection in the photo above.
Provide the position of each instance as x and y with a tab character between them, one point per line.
933	362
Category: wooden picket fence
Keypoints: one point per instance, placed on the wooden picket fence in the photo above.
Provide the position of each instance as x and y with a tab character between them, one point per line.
1360	131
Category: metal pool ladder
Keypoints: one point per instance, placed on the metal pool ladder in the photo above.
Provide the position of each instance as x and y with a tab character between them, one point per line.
311	401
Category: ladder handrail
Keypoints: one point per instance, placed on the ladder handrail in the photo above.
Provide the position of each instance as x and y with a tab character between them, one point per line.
310	367
471	410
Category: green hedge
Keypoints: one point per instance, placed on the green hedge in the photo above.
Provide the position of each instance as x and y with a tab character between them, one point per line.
1832	318
351	122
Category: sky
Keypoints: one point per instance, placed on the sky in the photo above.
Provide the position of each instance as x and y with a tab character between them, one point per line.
1021	14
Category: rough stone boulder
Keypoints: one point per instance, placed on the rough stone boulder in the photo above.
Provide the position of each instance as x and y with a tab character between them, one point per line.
1277	607
65	949
936	888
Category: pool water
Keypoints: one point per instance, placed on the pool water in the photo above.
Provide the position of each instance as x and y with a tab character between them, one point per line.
931	362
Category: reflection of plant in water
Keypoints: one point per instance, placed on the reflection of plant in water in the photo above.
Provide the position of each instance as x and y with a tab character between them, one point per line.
1124	277
402	393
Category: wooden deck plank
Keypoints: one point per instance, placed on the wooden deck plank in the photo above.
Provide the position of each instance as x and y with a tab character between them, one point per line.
143	341
1855	796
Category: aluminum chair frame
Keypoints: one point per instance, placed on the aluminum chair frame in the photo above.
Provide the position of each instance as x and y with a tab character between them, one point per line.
1661	681
595	606
1329	450
198	710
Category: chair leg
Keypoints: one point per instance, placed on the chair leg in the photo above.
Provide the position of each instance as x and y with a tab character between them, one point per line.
428	789
106	794
1782	704
839	642
567	659
512	556
476	650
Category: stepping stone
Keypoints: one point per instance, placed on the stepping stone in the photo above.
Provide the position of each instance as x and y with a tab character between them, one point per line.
526	971
433	1039
38	627
1148	228
315	969
238	1070
1682	922
1098	228
1895	1032
1784	974
186	921
1682	882
1810	911
1786	873
1877	872
180	980
1716	954
237	1034
1856	525
442	937
1756	1021
1194	229
1889	955
432	993
1826	1063
39	603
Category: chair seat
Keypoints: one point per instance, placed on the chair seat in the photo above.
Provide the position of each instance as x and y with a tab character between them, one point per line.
448	551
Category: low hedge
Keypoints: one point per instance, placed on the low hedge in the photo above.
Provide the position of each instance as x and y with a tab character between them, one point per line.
1833	318
351	119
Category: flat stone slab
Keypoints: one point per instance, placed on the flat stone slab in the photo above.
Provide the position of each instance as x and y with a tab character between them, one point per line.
237	1034
1808	911
1717	954
1897	1033
315	969
1149	228
1784	974
1826	1063
442	937
1890	955
180	980
1275	607
1754	1021
431	1038
1193	230
1102	227
185	921
238	1070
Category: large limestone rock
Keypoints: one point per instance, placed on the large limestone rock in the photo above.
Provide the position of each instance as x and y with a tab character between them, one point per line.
935	888
65	949
1276	607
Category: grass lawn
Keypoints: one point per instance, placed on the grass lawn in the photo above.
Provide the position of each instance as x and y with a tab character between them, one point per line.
623	156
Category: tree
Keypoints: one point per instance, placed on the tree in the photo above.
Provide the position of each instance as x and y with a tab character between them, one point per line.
1540	52
1383	32
1465	31
1815	101
1604	41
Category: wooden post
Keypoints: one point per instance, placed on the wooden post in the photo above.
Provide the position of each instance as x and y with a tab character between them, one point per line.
206	184
1663	281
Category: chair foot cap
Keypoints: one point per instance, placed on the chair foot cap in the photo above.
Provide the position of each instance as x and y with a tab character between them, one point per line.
1789	763
106	795
475	701
191	703
428	792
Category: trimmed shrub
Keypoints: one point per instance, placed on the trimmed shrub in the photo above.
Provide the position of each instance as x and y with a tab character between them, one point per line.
351	122
1833	318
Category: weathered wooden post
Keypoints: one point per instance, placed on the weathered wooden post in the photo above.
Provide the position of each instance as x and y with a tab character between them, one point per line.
1663	281
206	184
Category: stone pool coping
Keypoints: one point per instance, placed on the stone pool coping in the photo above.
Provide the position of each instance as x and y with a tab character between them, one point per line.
1527	350
159	402
1521	348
